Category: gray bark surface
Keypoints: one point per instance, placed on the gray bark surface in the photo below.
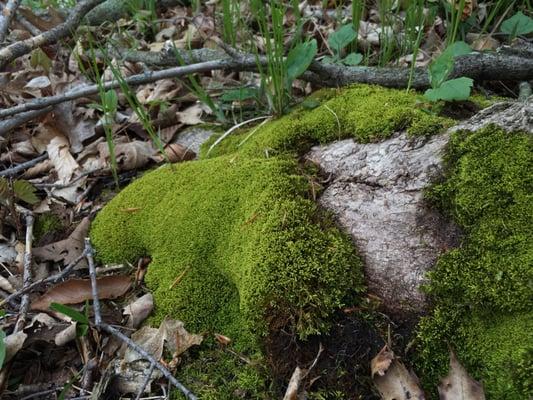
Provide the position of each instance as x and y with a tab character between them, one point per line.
376	192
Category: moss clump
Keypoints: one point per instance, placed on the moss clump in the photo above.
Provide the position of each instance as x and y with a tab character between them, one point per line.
255	249
484	290
365	113
46	224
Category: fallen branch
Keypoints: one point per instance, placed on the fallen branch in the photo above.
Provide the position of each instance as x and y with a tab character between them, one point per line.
134	80
50	279
23	166
8	12
8	124
480	66
26	277
100	324
15	50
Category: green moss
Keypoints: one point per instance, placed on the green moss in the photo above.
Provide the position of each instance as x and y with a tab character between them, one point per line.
47	223
255	248
484	289
214	373
365	113
254	252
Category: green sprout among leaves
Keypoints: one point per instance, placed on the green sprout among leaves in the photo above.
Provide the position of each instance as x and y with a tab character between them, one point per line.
339	40
441	68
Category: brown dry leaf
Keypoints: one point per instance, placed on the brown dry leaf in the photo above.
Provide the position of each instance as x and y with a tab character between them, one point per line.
191	115
485	42
41	23
130	155
139	310
469	7
77	129
14	343
39	169
223	340
59	153
294	385
66	250
392	379
458	385
381	363
175	152
76	291
171	335
162	90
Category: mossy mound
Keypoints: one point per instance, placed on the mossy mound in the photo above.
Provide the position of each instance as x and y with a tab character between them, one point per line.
484	289
237	244
365	113
254	248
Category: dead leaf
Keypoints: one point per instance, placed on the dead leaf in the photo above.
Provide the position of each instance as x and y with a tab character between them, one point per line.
485	42
458	385
223	340
191	115
130	155
76	291
171	335
392	379
14	343
77	129
59	153
139	310
66	335
66	250
294	385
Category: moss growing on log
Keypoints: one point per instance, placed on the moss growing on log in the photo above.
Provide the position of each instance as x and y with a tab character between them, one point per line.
484	289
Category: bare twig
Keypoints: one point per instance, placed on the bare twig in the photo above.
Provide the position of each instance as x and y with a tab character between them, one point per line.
6	16
134	80
26	279
15	50
145	382
7	125
50	279
25	23
23	166
119	335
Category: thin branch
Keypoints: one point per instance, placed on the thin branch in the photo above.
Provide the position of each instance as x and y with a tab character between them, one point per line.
134	80
7	125
50	279
15	50
119	335
145	382
7	14
27	275
23	166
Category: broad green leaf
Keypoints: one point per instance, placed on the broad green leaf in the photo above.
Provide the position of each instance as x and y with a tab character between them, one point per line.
70	312
299	59
110	100
454	89
328	60
239	94
310	104
25	191
38	58
518	24
2	347
341	38
442	66
353	59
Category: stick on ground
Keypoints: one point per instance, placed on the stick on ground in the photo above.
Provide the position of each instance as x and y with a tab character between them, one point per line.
99	323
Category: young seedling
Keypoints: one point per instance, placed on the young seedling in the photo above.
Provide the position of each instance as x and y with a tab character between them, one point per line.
338	41
440	69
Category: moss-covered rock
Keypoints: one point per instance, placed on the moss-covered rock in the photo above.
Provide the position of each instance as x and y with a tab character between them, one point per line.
484	289
237	244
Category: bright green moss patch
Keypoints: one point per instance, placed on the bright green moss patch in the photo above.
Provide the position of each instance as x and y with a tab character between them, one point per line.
255	250
365	113
47	223
484	289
